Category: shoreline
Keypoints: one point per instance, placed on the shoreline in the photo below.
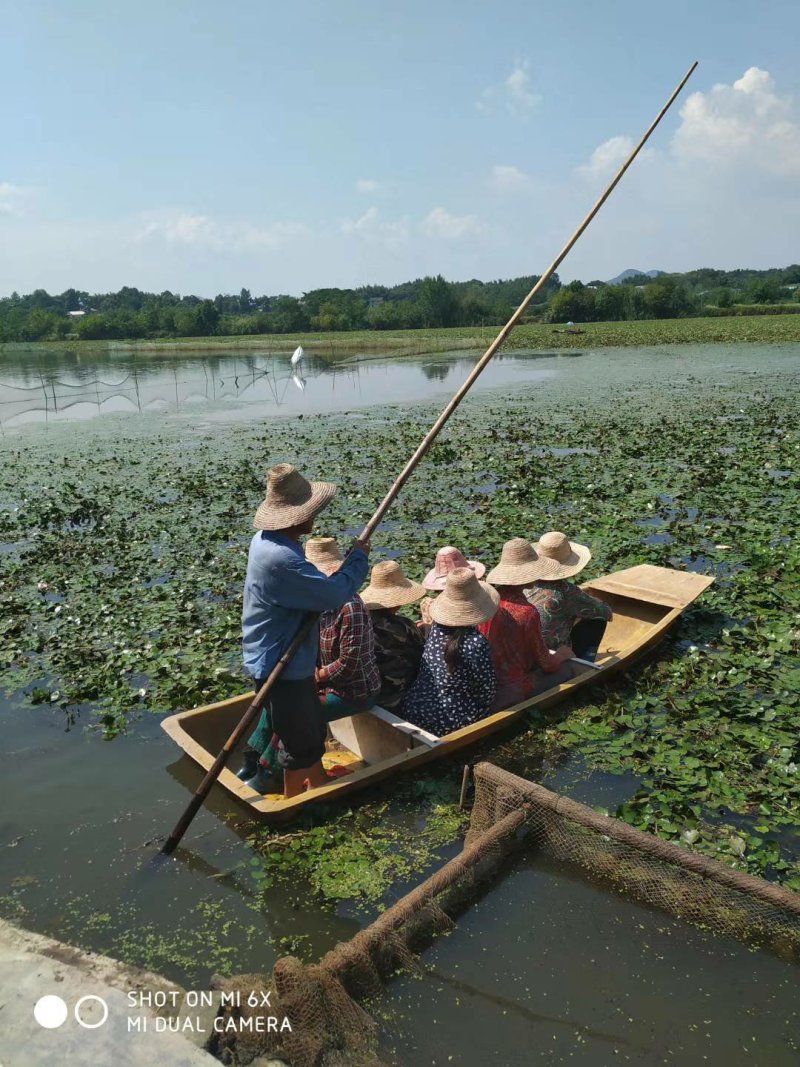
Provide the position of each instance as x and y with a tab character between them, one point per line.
733	329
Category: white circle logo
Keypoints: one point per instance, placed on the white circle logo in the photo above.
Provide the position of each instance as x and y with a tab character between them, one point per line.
91	1012
50	1012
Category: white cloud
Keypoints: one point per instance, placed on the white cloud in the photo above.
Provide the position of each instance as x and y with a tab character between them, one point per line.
392	233
518	88
507	179
440	223
11	198
202	231
607	157
746	123
739	130
367	185
371	226
514	94
722	191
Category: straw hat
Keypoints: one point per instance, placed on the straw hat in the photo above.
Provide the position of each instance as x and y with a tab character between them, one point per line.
465	601
519	564
389	588
324	553
290	499
447	559
568	556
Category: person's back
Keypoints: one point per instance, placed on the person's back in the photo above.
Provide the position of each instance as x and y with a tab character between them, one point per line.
523	664
398	642
569	615
445	698
347	675
267	614
281	588
456	681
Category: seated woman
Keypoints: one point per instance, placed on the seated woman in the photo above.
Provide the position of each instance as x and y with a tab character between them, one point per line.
569	616
398	642
456	682
447	560
347	676
523	664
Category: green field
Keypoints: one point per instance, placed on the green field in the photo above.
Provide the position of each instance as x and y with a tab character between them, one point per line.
540	337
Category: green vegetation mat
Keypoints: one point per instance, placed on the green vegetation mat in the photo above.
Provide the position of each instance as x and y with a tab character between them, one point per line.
141	538
534	336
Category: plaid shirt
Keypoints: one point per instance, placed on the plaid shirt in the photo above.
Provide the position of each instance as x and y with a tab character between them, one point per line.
347	664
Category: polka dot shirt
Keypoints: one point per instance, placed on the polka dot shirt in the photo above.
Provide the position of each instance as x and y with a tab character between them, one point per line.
442	702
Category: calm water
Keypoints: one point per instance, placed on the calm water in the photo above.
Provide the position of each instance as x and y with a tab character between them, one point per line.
547	969
544	964
48	389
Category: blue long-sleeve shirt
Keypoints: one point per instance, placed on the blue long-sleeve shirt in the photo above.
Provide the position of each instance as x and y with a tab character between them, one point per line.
280	587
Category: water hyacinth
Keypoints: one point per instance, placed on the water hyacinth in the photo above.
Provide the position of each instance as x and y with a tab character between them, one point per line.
706	727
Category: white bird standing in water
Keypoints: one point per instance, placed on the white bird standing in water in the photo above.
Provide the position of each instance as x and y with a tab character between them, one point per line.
297	355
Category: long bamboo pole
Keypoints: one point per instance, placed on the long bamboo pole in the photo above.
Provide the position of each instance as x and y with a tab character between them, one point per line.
255	707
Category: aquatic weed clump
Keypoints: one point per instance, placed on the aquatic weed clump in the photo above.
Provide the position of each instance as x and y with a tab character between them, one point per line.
125	554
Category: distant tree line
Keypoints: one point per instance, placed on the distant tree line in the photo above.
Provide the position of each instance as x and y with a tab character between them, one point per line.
671	296
425	303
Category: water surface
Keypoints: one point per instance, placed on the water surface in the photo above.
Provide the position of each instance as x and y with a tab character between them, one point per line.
542	956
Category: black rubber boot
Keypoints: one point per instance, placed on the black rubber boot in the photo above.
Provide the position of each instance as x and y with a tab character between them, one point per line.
250	766
264	782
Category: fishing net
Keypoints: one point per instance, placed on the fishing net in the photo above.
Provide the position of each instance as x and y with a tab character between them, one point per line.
640	866
330	1029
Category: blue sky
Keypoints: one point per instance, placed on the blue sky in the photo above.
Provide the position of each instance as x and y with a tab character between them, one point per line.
203	147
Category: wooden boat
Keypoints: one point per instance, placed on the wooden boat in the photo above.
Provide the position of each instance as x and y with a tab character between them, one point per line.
376	744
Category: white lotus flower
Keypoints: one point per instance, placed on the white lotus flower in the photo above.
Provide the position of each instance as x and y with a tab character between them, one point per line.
42	587
689	836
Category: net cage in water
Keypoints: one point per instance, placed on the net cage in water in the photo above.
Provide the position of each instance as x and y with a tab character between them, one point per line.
331	1029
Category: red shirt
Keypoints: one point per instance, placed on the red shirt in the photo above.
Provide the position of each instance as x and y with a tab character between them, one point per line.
517	646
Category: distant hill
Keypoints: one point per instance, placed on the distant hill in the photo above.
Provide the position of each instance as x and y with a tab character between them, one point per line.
626	274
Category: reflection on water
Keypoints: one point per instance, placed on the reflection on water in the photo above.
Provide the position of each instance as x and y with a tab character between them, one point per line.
86	822
62	386
549	969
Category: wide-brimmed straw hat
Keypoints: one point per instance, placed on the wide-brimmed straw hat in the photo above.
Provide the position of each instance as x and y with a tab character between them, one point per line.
447	560
568	556
520	564
324	553
389	588
291	499
465	601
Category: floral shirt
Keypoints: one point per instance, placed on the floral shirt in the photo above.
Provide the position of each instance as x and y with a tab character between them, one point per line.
398	650
441	702
347	664
518	649
560	605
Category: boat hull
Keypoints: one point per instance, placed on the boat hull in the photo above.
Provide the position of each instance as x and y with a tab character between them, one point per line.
646	601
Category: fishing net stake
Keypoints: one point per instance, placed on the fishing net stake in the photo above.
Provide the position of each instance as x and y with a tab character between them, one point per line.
462	800
323	1000
255	707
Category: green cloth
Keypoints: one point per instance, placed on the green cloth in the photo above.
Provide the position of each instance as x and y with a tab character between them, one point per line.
262	735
